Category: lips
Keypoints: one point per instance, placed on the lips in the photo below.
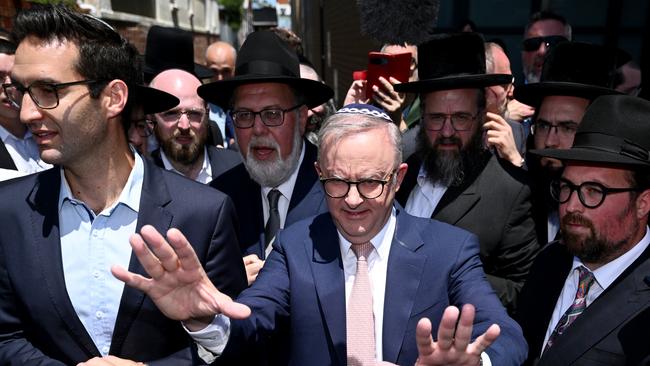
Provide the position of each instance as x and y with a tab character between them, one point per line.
43	137
184	140
264	152
355	215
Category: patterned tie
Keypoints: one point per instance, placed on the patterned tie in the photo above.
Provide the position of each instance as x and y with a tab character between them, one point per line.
273	224
360	321
579	305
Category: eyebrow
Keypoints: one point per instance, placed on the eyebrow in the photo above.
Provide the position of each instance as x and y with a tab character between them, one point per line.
565	122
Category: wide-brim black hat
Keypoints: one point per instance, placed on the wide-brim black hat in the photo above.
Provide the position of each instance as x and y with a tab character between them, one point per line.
573	69
171	48
153	100
452	61
614	130
265	58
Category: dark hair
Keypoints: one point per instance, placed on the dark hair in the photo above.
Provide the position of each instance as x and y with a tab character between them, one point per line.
549	15
6	45
103	54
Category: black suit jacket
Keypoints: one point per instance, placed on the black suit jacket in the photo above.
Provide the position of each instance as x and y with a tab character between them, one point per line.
221	160
6	162
307	199
613	330
38	324
493	202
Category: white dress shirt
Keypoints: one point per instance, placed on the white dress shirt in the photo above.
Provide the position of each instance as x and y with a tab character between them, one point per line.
24	152
425	196
604	276
90	244
205	174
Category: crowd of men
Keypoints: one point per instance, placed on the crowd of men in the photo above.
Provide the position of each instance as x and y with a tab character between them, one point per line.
162	212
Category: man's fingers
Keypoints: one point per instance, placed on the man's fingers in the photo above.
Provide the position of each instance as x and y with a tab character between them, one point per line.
447	327
464	328
423	338
160	248
234	310
251	258
149	261
131	279
186	257
485	340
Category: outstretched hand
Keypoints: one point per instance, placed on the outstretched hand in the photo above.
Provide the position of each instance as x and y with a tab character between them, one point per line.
453	346
178	286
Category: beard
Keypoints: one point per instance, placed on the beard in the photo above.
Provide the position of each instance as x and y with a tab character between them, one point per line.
446	167
593	248
276	171
183	154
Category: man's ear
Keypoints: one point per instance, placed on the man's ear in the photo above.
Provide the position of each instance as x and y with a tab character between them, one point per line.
116	96
302	119
317	167
643	204
401	173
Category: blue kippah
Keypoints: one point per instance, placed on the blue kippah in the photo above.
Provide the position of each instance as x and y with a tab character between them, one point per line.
367	109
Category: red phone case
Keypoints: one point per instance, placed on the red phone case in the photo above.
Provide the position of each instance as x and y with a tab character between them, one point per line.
386	65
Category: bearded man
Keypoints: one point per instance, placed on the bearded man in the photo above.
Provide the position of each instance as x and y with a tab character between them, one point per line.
183	131
587	300
458	181
277	184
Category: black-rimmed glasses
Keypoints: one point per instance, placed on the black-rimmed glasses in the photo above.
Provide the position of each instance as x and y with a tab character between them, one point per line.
532	44
271	117
460	121
367	188
590	194
45	95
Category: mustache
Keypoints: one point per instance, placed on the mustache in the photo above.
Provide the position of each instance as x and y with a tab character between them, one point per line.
447	140
576	219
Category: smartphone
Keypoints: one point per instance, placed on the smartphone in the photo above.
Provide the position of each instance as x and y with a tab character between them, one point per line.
386	65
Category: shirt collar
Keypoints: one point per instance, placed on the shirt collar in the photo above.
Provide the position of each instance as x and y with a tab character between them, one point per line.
286	187
130	195
5	135
381	241
608	273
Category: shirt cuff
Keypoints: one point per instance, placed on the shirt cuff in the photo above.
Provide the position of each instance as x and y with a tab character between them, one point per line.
485	359
212	339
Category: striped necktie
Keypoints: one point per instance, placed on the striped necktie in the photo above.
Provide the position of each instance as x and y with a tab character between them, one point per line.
360	322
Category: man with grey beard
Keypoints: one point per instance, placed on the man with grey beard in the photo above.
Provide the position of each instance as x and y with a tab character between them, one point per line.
455	179
183	131
277	184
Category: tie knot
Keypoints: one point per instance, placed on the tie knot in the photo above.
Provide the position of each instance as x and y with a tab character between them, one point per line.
362	251
273	196
586	277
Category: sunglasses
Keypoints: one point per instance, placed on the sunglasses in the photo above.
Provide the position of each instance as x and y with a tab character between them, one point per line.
532	44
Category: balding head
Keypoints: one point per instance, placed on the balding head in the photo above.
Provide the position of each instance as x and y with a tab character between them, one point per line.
182	131
220	57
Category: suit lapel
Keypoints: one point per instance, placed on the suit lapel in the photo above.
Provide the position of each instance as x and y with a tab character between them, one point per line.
405	268
154	198
6	162
306	177
628	294
327	269
44	199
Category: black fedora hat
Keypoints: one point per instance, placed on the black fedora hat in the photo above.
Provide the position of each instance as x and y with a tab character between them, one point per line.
152	100
614	130
573	69
171	48
452	61
265	58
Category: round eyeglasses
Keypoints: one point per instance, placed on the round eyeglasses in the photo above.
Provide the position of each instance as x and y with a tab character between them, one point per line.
44	95
590	194
367	188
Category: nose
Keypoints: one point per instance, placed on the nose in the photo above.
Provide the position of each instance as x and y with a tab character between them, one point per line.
353	198
552	138
259	128
573	204
447	128
29	112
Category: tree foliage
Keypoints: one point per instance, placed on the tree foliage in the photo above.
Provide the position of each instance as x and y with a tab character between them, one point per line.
232	12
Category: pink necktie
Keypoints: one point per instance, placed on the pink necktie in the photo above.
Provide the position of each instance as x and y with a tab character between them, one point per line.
360	319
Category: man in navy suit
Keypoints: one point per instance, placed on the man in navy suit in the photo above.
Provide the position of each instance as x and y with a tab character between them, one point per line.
276	184
63	228
419	273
